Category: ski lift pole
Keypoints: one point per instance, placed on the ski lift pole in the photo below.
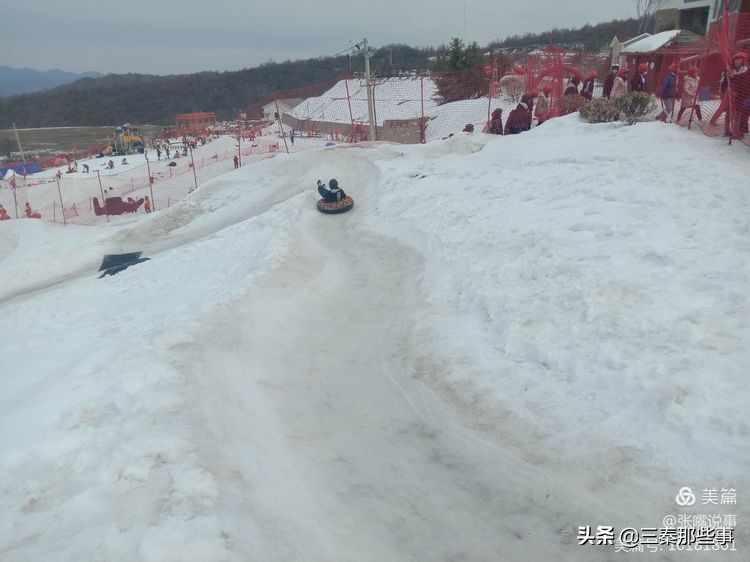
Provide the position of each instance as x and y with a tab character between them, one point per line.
372	132
15	198
281	125
239	142
151	185
62	207
101	190
349	102
195	177
422	124
18	140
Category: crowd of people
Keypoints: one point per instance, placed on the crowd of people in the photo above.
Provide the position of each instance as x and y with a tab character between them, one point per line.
676	85
163	147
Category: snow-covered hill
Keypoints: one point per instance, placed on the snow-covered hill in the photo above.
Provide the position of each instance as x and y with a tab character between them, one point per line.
508	337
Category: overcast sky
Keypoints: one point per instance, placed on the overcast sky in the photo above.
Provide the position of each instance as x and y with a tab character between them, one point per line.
179	36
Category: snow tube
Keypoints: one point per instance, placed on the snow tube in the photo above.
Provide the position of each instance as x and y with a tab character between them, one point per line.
116	206
335	208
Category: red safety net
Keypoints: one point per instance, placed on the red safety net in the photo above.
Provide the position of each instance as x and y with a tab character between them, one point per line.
706	84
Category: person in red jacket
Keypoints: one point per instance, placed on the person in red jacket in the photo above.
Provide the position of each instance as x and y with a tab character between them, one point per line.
4	216
31	213
519	119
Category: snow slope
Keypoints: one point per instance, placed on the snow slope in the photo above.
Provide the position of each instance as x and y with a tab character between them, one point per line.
507	338
394	98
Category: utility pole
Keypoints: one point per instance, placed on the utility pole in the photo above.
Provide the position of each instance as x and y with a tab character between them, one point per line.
19	144
101	190
464	36
195	177
370	107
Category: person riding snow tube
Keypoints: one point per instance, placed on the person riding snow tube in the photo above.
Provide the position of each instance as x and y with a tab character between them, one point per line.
334	199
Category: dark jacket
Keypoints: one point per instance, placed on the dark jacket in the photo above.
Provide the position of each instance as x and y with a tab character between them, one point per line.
518	121
609	82
638	83
330	195
496	124
588	88
668	89
740	82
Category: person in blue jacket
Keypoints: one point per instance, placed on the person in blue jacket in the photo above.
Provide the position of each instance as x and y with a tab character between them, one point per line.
668	92
332	193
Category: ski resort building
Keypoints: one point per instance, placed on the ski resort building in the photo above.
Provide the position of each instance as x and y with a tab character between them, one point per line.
187	122
696	15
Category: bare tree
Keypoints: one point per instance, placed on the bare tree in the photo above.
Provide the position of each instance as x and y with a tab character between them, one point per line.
646	12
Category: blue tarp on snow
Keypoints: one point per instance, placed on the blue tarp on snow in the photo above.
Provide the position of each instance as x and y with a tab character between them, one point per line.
30	167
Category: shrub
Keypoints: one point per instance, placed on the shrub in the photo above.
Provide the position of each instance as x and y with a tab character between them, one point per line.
599	110
571	104
513	86
635	106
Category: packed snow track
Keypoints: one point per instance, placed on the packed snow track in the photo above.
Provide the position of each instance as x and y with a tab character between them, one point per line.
470	365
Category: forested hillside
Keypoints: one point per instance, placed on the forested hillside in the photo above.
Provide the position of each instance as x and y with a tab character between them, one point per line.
143	98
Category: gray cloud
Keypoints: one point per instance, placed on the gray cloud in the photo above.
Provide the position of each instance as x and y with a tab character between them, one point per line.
173	36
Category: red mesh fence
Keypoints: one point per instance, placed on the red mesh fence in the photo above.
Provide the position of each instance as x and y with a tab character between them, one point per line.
705	84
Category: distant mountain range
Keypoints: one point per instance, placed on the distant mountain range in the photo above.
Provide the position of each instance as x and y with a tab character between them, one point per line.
26	80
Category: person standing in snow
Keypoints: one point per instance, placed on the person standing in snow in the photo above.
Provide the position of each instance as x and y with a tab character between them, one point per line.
588	86
620	87
4	216
667	93
572	89
332	193
541	112
724	106
236	161
690	93
739	82
609	81
519	119
638	83
158	152
291	136
496	123
146	204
